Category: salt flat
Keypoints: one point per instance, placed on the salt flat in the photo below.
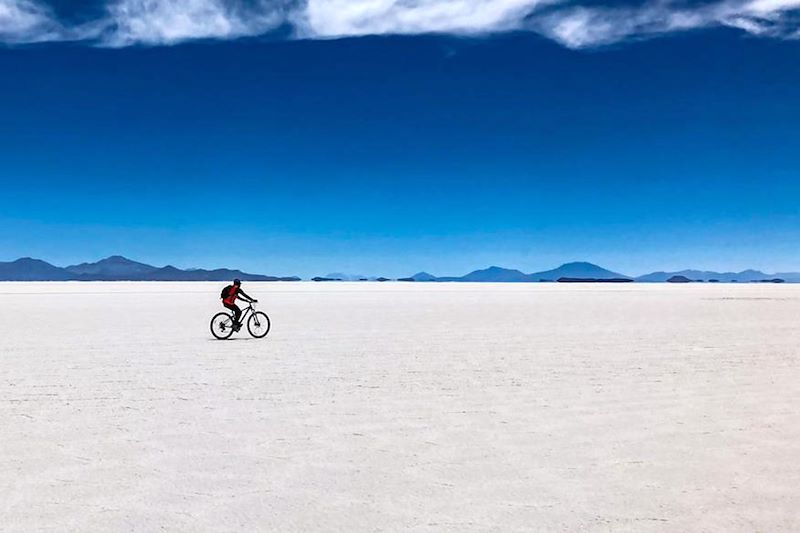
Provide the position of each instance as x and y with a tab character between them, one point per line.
393	407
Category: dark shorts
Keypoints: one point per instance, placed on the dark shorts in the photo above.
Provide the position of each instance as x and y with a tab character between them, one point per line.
237	312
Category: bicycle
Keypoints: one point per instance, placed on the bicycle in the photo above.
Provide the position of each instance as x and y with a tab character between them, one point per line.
222	324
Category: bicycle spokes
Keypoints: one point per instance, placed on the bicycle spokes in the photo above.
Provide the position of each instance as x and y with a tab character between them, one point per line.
222	326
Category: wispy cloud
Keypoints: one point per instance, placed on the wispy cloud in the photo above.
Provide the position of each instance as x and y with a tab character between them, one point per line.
170	21
771	18
569	22
580	27
24	21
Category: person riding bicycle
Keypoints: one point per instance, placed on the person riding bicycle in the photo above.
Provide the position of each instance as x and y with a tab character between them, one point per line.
229	296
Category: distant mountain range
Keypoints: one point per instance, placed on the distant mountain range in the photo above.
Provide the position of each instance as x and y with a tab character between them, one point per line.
568	271
746	276
582	271
339	276
118	268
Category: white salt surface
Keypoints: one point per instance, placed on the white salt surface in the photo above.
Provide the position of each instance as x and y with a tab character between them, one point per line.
394	407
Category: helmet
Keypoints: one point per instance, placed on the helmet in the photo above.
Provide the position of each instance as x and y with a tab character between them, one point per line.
237	282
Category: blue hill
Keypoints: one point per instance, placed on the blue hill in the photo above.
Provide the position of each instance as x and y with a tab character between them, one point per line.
118	268
495	274
576	270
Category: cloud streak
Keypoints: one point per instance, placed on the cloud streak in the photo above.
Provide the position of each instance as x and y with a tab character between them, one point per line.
570	23
25	21
581	27
159	22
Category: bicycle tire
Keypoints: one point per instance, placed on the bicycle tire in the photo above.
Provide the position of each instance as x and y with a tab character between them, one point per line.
258	325
223	328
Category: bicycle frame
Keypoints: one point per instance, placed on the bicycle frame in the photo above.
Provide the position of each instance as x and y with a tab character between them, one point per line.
245	313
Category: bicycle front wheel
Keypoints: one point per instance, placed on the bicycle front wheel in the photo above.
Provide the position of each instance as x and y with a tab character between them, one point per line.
258	325
222	326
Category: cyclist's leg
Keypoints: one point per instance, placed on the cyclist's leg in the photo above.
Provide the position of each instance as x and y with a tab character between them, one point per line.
237	312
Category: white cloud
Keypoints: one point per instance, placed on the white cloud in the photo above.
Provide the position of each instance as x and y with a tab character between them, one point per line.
768	6
171	21
569	22
583	27
337	18
565	21
25	21
579	27
763	17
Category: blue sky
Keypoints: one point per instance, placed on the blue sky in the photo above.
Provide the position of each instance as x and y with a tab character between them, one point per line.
445	135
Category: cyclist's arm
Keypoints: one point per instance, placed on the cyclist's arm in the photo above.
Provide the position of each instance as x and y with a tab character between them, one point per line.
244	296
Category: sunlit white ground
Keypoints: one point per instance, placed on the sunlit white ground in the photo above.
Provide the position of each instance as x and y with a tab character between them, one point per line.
392	407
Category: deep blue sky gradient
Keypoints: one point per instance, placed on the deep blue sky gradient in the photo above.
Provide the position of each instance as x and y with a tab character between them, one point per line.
396	154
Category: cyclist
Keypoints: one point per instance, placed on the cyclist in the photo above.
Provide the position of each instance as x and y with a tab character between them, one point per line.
229	296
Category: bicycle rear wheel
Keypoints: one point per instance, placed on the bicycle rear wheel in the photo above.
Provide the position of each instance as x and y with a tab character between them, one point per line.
222	326
258	325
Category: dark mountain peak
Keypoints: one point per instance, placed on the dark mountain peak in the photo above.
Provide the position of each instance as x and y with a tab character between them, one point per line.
423	276
30	261
751	272
115	267
30	269
495	269
577	270
496	274
117	259
581	264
